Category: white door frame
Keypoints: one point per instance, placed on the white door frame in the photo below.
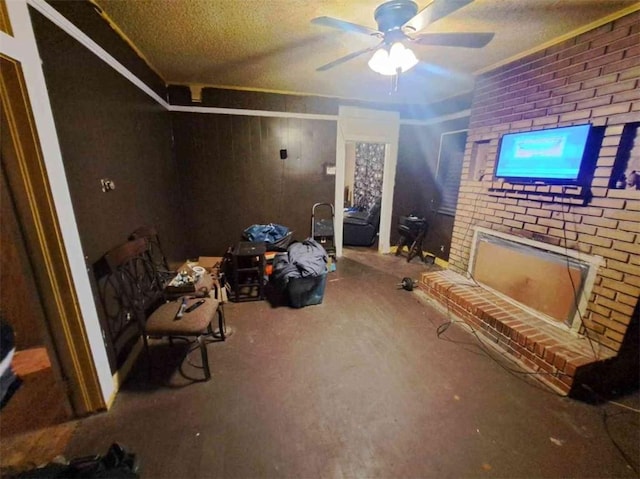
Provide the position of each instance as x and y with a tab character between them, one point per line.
367	126
22	47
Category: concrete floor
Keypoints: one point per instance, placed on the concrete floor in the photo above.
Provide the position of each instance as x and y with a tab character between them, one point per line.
359	386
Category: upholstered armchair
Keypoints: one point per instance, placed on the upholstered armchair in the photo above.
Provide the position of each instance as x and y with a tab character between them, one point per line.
360	228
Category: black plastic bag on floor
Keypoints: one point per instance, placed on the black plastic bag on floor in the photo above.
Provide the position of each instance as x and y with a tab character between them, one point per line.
117	463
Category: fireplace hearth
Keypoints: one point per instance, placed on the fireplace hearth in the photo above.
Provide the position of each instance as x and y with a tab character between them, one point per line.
528	298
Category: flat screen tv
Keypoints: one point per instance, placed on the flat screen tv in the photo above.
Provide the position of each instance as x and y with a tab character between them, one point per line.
558	156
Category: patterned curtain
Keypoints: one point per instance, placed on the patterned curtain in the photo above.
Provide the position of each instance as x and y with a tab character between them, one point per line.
368	175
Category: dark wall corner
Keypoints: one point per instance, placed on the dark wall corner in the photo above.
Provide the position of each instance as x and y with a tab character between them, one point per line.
420	193
179	95
88	18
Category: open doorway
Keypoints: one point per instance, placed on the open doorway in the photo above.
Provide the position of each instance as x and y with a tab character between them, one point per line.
39	299
381	128
33	393
364	174
365	170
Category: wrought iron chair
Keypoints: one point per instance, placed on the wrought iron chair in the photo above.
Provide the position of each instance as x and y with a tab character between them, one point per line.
138	288
154	251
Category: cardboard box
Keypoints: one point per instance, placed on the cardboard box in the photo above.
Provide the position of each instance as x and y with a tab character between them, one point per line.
210	263
205	283
177	287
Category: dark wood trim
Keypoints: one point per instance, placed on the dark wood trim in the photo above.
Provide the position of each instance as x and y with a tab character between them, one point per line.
291	103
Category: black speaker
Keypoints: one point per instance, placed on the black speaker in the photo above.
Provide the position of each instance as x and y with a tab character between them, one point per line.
283	154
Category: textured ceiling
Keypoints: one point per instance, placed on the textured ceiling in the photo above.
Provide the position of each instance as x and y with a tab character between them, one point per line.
271	44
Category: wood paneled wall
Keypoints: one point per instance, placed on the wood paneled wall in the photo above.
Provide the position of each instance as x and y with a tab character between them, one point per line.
417	191
108	128
233	176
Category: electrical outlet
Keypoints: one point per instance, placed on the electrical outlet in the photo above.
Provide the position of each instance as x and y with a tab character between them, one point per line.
107	185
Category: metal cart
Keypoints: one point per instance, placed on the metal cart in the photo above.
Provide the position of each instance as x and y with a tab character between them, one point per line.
322	231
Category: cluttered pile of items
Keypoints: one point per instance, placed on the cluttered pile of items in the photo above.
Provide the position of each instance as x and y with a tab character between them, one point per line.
302	272
269	261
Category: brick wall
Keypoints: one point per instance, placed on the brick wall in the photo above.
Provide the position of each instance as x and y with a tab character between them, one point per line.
594	77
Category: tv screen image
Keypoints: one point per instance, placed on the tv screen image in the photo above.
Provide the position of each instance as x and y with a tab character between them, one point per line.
554	155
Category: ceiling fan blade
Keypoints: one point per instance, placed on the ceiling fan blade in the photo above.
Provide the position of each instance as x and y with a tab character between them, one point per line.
434	11
345	59
467	40
343	25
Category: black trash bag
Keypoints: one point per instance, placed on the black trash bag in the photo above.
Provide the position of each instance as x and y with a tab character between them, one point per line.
117	463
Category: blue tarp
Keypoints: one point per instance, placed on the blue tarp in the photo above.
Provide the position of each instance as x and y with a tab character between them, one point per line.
270	233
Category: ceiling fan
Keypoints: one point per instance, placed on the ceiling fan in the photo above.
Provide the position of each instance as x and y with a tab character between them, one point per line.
400	22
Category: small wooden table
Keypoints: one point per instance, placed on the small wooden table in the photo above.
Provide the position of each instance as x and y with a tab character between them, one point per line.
248	262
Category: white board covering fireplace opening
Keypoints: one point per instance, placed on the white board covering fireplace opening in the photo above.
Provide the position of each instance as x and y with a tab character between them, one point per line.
548	281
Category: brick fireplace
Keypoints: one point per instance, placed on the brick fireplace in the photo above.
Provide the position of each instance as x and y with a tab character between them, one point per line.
593	78
547	281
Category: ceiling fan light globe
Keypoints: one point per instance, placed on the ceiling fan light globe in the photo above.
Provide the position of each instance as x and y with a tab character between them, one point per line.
379	61
396	52
408	60
397	59
387	69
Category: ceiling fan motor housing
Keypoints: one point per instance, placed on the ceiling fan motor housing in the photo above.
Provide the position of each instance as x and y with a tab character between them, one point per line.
392	15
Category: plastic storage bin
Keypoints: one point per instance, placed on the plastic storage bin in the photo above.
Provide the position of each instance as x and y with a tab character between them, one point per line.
306	291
